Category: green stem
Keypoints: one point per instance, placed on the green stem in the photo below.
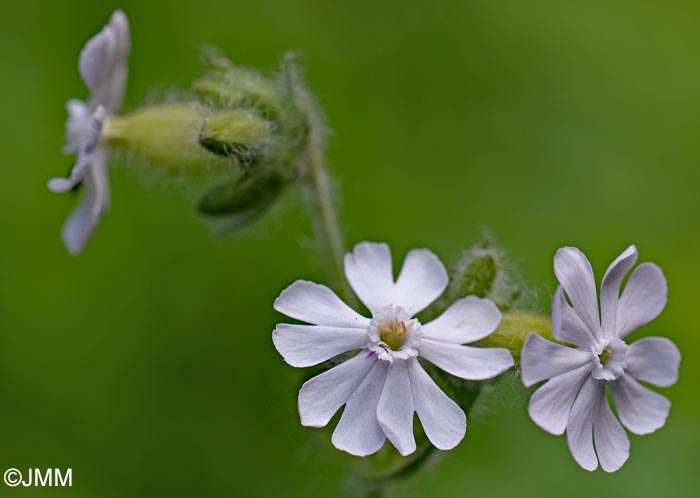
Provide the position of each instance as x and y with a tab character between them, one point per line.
316	180
325	217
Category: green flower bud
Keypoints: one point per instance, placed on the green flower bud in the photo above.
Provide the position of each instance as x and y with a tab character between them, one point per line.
237	133
230	86
258	130
483	272
514	328
244	199
165	136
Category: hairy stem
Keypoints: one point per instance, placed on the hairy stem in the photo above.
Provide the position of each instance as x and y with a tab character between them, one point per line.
320	200
314	176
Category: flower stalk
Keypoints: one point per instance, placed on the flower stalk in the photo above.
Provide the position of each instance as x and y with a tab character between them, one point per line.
315	180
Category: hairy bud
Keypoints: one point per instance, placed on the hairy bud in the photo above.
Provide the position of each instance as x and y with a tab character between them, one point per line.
237	133
243	200
257	127
483	271
514	328
165	136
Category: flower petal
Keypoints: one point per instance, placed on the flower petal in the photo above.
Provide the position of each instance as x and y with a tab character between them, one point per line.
92	160
114	91
641	410
102	63
443	420
421	281
654	360
317	304
610	289
77	126
97	58
467	362
642	300
95	202
611	442
550	405
358	431
368	269
566	324
575	275
395	411
307	345
63	185
466	320
79	226
542	359
100	179
579	427
321	396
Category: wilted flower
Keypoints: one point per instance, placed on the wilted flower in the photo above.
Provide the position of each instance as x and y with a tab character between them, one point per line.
384	384
103	69
574	398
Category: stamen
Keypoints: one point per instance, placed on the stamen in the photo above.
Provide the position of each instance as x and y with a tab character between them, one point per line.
603	357
393	333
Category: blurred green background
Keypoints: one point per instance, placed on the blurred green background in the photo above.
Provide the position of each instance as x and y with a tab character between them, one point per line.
146	363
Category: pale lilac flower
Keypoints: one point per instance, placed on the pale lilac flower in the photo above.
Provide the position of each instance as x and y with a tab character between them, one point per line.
574	398
383	384
103	69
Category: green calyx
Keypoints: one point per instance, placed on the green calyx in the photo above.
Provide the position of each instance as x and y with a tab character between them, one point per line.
238	133
254	128
165	136
514	328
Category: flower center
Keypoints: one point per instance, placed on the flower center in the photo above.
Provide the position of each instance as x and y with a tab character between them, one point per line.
609	360
603	357
393	333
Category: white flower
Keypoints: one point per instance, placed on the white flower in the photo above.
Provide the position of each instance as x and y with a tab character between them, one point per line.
574	399
103	69
384	384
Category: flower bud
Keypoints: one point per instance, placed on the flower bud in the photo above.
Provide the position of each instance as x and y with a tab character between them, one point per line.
237	133
244	199
514	328
257	129
230	86
483	272
165	136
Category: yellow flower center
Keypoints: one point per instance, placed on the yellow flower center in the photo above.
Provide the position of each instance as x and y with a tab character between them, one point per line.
393	334
603	357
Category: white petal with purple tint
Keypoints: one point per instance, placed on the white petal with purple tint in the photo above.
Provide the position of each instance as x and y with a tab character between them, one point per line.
396	408
358	431
317	304
421	281
307	345
370	274
443	420
466	320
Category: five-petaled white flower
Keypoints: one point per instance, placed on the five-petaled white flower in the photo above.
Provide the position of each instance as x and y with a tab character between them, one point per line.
384	383
574	398
103	69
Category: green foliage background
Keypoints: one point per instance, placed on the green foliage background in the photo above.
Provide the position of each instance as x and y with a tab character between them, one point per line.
146	364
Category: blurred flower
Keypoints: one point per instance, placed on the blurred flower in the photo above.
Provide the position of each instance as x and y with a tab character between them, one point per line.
383	384
574	399
103	69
